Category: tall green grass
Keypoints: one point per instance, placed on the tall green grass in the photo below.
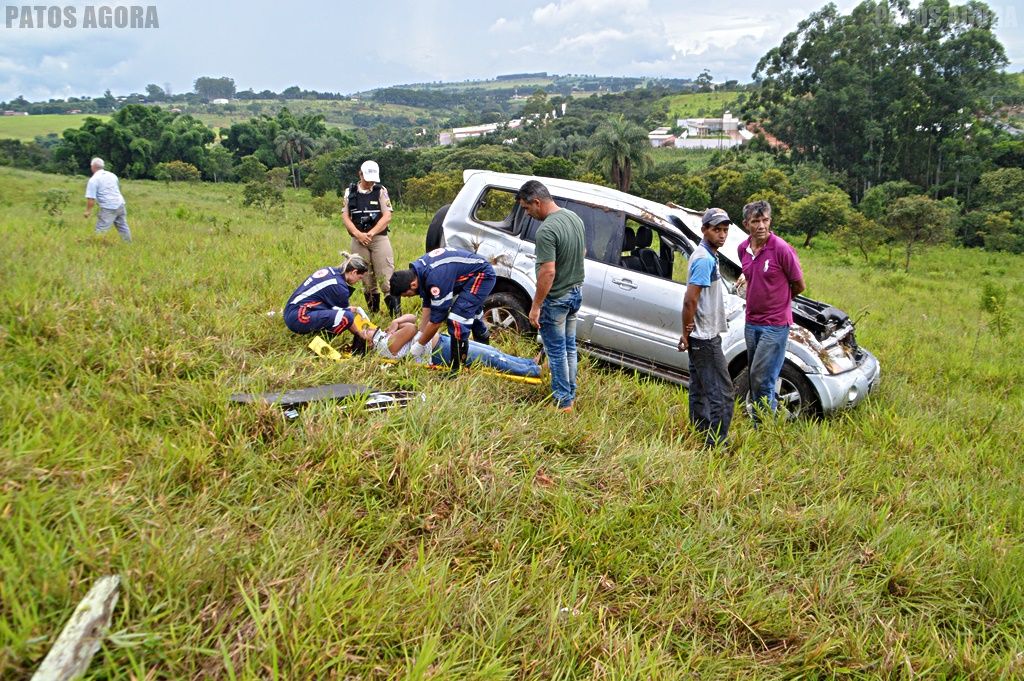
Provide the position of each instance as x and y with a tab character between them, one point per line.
480	534
696	159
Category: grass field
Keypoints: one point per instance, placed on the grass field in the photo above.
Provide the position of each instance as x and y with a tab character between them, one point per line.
480	534
26	128
713	104
696	159
336	113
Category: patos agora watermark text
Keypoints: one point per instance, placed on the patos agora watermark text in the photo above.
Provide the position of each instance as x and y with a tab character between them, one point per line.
88	16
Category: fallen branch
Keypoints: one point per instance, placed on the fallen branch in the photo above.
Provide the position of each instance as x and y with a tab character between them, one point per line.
82	635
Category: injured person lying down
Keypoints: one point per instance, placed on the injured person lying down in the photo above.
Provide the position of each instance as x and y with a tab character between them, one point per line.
395	341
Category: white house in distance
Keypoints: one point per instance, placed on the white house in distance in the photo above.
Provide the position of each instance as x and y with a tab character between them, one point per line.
661	137
458	134
728	125
703	133
219	100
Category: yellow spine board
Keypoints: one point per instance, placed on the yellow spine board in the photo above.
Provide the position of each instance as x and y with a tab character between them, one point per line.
327	351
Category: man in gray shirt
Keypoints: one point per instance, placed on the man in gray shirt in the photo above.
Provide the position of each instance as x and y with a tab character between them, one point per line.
103	189
711	391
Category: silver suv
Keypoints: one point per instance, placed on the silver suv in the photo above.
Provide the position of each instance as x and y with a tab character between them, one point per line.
636	266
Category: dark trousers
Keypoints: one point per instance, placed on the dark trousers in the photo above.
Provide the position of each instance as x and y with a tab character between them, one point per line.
711	392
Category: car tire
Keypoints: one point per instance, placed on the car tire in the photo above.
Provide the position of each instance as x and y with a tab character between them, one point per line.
795	391
741	386
506	313
798	393
435	232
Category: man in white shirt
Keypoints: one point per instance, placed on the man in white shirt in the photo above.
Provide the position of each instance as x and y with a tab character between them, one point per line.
104	190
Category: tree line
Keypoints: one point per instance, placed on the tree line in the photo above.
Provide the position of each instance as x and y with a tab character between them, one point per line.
883	129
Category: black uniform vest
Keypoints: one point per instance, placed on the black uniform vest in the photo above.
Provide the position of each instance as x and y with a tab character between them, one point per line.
365	209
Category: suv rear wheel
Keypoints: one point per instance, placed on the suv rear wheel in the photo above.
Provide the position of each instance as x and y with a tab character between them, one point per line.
435	231
506	313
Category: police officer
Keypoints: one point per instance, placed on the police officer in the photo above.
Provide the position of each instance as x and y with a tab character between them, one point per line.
366	214
321	301
453	284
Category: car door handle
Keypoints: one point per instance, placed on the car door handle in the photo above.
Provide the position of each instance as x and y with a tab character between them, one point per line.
529	256
624	283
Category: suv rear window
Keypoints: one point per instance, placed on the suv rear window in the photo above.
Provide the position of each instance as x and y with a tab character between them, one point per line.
496	208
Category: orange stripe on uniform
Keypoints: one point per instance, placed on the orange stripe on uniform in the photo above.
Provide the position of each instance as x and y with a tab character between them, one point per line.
303	316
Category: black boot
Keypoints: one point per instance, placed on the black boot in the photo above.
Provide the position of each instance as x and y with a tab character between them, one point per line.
460	353
394	305
373	302
481	334
458	336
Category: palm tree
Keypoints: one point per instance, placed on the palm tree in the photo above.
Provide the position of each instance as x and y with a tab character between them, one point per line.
291	145
564	146
621	147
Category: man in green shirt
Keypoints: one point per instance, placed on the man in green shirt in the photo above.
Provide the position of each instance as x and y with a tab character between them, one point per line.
561	247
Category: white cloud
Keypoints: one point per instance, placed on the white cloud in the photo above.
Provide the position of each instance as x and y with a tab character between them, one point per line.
503	25
54	64
703	34
569	11
591	40
651	37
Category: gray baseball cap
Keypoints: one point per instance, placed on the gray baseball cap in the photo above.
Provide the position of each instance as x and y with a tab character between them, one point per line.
715	216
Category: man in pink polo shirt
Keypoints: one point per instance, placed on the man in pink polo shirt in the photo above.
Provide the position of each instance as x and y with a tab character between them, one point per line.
773	278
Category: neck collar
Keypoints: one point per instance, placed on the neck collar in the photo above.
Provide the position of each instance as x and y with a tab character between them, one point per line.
710	249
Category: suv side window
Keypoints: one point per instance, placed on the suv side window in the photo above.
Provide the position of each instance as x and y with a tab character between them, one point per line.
603	226
496	208
645	250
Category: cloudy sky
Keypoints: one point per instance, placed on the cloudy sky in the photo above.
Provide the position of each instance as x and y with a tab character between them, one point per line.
347	46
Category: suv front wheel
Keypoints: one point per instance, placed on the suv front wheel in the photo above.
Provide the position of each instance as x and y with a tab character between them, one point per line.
795	392
506	313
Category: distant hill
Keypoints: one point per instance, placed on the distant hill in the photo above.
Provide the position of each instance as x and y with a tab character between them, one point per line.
395	114
551	83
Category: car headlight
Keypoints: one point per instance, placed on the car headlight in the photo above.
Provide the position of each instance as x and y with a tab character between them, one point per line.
837	359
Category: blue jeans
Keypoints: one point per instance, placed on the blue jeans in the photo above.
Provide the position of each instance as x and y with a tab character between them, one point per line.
766	352
485	355
558	334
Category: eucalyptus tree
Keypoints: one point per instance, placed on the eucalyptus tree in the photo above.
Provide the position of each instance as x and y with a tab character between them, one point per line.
880	92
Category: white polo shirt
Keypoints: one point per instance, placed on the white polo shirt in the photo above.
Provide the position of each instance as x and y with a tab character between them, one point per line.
104	189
